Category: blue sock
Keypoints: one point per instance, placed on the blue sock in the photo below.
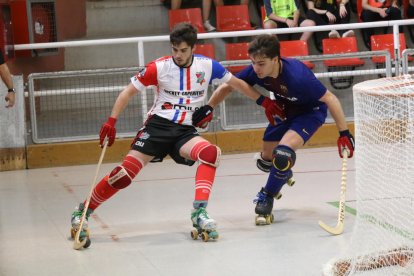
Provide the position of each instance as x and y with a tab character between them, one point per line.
275	181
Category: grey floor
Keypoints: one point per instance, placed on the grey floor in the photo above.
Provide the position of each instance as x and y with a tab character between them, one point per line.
145	229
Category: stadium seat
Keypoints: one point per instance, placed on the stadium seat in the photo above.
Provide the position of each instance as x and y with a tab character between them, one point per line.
295	48
232	18
206	50
192	16
236	51
386	42
341	46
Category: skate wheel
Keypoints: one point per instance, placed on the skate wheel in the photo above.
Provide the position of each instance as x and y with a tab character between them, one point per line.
278	196
291	182
88	242
213	235
194	234
204	236
260	220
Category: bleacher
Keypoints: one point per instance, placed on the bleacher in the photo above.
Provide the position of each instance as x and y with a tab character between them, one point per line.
73	93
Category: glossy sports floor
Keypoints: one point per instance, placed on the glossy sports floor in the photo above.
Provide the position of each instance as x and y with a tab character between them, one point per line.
145	229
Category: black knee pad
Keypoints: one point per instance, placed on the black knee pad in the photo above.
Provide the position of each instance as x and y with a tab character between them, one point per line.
262	164
283	158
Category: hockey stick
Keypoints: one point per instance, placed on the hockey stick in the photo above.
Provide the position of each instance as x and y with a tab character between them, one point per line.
77	243
339	228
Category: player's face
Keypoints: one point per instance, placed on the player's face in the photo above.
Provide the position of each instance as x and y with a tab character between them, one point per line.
264	66
182	54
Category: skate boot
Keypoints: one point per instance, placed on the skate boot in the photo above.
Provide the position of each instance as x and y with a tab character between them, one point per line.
264	207
205	227
290	182
75	221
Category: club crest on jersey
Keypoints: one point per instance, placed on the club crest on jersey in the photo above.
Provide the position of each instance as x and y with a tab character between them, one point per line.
200	77
141	72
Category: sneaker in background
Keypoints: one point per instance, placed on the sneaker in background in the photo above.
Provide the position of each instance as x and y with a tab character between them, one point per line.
208	26
334	34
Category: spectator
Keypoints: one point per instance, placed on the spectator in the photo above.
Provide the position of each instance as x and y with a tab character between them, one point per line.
8	81
325	12
410	9
176	4
380	10
281	14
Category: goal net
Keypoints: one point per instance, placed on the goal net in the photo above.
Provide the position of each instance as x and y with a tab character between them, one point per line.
382	241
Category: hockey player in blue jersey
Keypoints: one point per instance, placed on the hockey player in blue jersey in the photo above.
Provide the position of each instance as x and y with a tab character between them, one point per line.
303	102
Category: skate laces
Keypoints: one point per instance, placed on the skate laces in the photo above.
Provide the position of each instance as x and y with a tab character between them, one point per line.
260	197
79	211
202	214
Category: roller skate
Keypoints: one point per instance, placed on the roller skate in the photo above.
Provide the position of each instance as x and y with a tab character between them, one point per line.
264	207
75	221
205	227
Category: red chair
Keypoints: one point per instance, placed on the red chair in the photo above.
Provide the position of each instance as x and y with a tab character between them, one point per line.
295	48
236	51
206	50
232	18
192	16
341	46
386	42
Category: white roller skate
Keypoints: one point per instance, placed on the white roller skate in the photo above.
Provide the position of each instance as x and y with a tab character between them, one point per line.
205	227
75	221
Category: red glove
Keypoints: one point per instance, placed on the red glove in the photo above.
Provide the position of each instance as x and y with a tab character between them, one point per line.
202	116
346	140
108	130
272	109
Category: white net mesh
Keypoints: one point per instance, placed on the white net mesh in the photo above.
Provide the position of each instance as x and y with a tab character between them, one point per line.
383	237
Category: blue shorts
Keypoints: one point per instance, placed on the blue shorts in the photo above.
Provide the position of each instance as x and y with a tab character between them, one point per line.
305	125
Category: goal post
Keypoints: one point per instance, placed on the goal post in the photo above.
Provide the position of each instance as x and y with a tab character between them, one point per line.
382	241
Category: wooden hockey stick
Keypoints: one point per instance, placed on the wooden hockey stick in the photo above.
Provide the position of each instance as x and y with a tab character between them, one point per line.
77	243
339	228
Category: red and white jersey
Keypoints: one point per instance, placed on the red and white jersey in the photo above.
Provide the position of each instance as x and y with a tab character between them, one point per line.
179	91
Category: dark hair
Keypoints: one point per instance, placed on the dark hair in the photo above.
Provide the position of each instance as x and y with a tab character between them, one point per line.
183	32
265	45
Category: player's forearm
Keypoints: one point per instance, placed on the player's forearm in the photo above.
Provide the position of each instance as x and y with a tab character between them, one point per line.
219	95
336	110
244	88
6	76
123	100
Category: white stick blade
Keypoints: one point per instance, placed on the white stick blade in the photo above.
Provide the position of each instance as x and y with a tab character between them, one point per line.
332	230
